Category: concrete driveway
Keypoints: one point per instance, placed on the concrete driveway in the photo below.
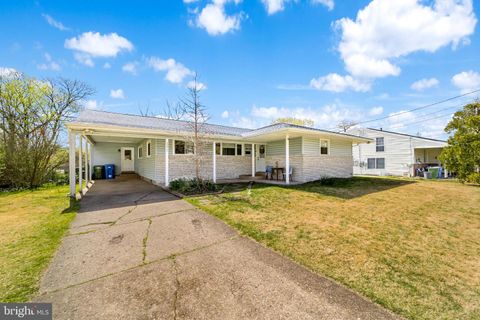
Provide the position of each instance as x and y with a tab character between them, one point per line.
137	252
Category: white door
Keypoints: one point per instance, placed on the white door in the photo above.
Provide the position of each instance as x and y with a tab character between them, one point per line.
127	160
260	154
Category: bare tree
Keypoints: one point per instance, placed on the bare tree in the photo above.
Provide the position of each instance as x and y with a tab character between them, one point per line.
175	112
344	125
32	114
196	116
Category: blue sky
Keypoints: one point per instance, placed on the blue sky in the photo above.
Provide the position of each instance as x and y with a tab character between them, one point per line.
325	60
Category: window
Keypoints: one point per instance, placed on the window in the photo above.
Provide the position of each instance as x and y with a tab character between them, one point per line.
149	148
324	146
140	152
239	149
261	151
371	163
184	147
380	163
380	144
248	149
228	149
218	148
376	163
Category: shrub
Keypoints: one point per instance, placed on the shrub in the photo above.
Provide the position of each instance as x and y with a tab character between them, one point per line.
192	186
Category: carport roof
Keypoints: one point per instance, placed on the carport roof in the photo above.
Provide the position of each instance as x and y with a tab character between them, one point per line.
94	117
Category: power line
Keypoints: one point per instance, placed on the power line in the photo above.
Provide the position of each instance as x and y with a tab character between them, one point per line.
420	108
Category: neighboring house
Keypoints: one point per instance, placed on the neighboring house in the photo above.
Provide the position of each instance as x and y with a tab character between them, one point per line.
156	148
393	153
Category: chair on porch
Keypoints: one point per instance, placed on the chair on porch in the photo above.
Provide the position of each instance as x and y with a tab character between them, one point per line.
290	174
269	171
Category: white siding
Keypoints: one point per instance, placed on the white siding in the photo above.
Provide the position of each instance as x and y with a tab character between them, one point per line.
107	153
277	148
145	166
399	152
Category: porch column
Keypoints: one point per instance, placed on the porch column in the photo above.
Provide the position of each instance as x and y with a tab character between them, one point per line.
80	151
71	162
253	159
287	160
90	150
167	179
214	150
86	162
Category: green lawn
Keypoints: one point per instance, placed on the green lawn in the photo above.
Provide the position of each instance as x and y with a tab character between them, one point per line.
32	225
411	246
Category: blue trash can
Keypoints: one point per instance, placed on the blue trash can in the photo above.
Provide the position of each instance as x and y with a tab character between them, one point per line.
109	171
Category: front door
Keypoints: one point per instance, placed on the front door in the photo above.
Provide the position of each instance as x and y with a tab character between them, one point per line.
260	153
127	160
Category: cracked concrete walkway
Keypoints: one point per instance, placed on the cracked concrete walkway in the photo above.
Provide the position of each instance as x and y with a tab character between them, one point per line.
137	252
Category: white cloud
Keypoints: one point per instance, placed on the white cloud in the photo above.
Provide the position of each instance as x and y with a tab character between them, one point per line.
336	83
107	65
200	85
467	81
330	4
49	64
225	114
385	30
274	6
190	1
93	44
8	72
423	84
91	104
117	94
398	119
216	21
375	111
176	71
54	23
131	67
84	59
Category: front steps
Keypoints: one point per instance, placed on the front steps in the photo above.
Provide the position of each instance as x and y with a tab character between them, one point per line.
248	177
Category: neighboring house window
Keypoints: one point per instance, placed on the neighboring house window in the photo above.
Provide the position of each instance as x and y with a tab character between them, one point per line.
324	146
184	147
376	163
149	148
239	149
371	163
140	152
380	144
380	163
248	149
228	149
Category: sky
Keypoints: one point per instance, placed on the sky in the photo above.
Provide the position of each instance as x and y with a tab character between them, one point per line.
257	60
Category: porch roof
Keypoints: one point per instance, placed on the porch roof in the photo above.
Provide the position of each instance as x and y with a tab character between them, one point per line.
102	122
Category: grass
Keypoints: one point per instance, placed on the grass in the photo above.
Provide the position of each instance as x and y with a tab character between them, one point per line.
411	246
32	225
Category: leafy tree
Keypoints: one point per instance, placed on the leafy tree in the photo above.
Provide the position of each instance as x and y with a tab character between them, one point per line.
295	121
32	114
462	155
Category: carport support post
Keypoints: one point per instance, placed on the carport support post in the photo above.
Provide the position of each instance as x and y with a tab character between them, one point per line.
80	171
167	182
253	159
214	162
287	160
71	162
86	162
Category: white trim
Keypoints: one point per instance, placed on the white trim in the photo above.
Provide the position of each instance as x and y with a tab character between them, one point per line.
253	159
86	162
287	159
71	162
122	150
214	174
167	178
147	154
320	147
